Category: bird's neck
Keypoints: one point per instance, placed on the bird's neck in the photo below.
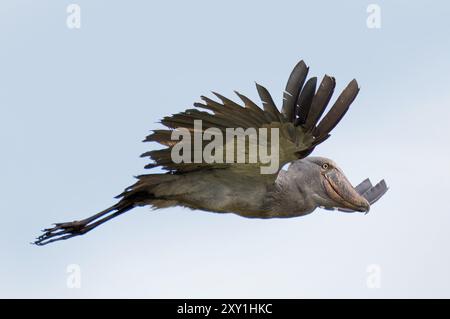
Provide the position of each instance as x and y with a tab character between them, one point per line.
288	199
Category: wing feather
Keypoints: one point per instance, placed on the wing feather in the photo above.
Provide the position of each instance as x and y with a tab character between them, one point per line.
297	122
268	104
320	101
304	100
338	110
293	88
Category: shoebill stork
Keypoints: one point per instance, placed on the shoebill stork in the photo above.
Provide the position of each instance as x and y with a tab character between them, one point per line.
240	187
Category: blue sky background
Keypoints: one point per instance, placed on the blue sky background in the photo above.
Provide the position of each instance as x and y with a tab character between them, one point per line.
75	105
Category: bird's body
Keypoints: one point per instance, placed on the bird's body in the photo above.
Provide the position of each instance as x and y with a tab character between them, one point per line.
250	186
248	195
232	192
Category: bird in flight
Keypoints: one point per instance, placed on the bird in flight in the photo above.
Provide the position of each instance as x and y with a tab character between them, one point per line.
238	183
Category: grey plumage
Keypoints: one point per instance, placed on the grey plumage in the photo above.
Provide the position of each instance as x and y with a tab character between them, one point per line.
240	188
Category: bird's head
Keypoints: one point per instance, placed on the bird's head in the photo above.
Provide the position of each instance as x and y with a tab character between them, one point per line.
328	185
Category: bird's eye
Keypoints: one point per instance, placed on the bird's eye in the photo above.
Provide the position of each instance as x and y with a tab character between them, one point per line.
325	166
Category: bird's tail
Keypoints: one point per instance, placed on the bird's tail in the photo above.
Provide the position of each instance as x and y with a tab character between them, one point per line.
143	192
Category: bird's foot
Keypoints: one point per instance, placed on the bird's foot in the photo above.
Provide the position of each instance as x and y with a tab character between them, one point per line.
62	231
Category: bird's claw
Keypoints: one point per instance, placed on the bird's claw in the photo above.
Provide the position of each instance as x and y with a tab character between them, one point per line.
61	231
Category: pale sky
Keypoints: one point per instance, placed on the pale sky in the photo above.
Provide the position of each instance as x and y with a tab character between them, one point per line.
76	103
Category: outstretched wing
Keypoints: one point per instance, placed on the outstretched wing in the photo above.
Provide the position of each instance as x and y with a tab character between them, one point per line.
298	125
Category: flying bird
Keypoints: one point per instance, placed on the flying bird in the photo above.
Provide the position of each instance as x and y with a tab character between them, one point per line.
241	187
